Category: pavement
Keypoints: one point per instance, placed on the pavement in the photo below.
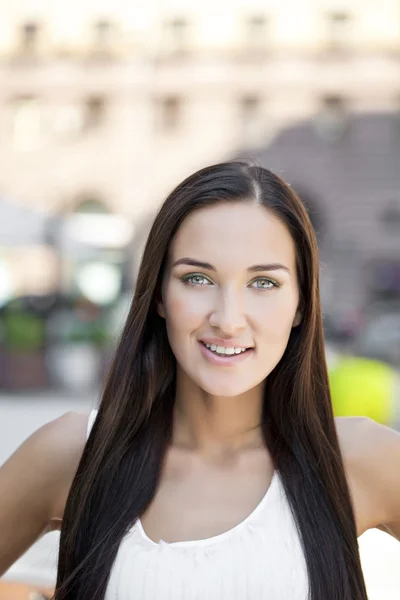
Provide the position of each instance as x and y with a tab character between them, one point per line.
20	415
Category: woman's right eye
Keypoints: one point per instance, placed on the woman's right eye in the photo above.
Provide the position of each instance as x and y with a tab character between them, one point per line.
194	280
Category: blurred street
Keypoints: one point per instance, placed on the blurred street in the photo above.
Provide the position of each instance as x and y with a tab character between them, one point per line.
20	415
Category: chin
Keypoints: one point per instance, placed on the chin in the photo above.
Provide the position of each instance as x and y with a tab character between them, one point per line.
224	389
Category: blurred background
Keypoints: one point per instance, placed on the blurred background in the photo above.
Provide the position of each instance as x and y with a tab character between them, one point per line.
105	106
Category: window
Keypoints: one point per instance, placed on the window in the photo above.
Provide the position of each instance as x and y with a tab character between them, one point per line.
27	125
338	30
171	108
95	109
331	122
250	107
103	34
91	205
177	35
333	102
256	33
29	37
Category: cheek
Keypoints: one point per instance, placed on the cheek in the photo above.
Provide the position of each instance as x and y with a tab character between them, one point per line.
277	315
184	311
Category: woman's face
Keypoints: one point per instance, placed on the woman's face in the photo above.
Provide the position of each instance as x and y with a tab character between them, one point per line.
244	295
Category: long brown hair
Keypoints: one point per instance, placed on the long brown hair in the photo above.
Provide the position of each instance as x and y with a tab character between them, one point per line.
122	461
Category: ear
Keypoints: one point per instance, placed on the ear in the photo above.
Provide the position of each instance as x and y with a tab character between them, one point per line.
297	318
160	309
160	304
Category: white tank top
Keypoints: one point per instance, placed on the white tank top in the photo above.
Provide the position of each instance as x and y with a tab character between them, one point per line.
259	559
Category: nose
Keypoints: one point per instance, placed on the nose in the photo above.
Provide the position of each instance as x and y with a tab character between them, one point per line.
228	315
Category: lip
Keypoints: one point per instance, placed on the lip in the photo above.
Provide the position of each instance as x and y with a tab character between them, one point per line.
225	343
228	361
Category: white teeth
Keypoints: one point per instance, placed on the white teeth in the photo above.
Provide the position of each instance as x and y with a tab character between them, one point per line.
229	350
223	350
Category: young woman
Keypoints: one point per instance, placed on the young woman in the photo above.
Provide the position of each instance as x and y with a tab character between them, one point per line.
214	467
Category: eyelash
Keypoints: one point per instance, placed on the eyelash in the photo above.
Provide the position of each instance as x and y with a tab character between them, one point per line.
186	280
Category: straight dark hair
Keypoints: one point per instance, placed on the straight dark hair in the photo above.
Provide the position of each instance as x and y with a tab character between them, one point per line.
123	458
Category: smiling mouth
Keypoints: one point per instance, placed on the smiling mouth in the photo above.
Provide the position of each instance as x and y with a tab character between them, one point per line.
232	351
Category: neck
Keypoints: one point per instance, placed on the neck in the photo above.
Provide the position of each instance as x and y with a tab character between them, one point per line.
216	425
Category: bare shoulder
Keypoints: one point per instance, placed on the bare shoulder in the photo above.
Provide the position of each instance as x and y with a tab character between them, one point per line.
35	483
351	431
47	461
61	443
371	455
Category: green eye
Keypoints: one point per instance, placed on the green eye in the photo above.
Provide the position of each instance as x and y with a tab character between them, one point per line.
199	280
191	279
267	281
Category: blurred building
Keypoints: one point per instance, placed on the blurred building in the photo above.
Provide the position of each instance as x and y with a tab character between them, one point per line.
104	106
346	170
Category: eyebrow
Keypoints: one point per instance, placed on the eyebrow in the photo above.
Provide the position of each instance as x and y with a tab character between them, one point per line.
253	269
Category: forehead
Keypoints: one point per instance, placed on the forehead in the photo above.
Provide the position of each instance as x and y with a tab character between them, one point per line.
234	235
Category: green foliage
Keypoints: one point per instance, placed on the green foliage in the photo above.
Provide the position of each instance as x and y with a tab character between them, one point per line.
94	333
23	332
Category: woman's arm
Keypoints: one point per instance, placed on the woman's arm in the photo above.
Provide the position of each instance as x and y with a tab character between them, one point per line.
35	482
381	460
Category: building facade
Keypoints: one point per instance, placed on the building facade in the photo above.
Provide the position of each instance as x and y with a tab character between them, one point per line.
115	102
111	104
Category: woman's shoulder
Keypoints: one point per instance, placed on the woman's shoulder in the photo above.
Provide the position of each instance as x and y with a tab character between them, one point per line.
58	446
371	456
349	432
365	444
65	436
36	479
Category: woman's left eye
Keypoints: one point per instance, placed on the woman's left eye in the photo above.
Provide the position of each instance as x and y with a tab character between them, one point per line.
263	280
